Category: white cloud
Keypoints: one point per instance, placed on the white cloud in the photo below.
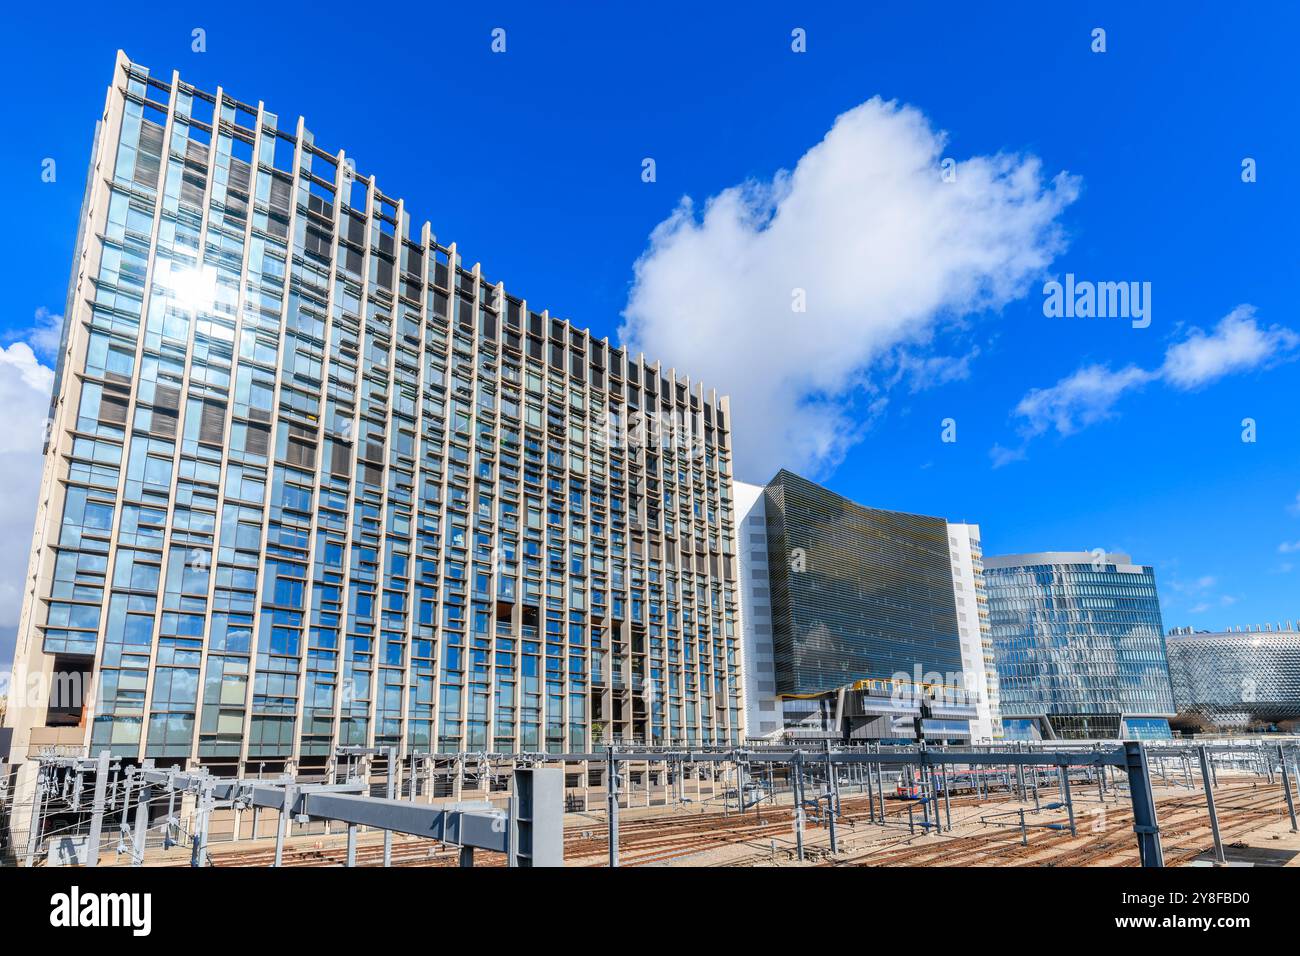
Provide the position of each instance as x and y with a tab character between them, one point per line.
25	386
884	250
1237	344
1089	395
1199	594
1002	455
1079	400
929	371
44	335
1286	547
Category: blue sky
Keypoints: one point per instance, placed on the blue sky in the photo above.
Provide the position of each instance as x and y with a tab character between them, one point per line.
531	161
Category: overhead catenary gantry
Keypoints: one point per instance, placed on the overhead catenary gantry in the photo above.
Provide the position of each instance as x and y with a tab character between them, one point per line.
526	823
529	832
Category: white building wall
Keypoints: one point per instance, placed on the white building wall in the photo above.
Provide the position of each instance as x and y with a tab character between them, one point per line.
762	709
973	628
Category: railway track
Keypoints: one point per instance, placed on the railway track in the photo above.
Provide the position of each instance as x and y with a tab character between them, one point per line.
1241	811
663	839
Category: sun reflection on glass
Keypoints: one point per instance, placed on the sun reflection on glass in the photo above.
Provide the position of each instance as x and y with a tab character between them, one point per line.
192	288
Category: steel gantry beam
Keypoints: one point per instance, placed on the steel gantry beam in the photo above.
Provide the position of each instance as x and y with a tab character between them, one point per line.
1050	758
530	832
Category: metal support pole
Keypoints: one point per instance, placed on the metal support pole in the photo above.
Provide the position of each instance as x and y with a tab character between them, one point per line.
871	795
141	825
352	846
1286	786
122	825
1069	801
38	807
392	783
925	799
168	841
1145	824
467	856
798	805
934	799
947	805
1209	804
1024	833
97	810
880	791
282	828
830	812
611	781
834	781
200	821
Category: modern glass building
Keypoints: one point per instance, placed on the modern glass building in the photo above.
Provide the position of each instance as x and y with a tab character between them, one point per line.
1079	646
852	616
315	481
1236	680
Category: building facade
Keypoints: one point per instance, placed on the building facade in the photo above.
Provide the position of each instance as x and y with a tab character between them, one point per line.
1079	646
1236	680
314	481
850	618
978	662
763	708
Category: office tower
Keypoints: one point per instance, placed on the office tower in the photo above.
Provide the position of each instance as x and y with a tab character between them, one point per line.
850	618
314	481
1079	646
1236	679
978	662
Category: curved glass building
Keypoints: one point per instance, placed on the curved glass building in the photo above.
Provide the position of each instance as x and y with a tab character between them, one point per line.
859	623
1236	679
1079	646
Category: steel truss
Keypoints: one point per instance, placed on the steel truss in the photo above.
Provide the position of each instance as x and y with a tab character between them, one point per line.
529	832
